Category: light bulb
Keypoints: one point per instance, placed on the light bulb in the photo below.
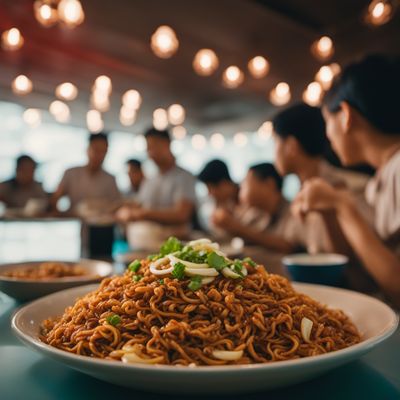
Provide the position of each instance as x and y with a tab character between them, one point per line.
232	77
160	119
199	142
280	95
21	85
12	39
45	14
176	114
217	140
205	62
265	130
379	12
94	121
71	12
312	95
66	91
323	48
179	132
258	67
164	42
240	139
103	84
131	98
32	117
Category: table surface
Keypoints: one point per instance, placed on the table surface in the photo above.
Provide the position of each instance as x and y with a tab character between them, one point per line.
25	374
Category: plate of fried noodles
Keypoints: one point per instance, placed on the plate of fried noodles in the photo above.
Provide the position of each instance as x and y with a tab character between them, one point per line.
191	320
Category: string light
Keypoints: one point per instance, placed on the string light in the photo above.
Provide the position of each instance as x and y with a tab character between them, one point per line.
94	121
176	114
71	12
199	142
21	85
232	77
240	139
127	116
179	132
32	117
205	62
103	84
312	95
132	99
164	42
280	95
323	48
45	14
12	39
265	130
60	111
160	119
258	67
379	12
326	74
66	91
217	140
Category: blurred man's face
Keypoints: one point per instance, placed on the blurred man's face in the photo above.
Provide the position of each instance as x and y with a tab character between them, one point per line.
158	149
341	138
282	159
97	152
221	191
135	175
25	172
258	193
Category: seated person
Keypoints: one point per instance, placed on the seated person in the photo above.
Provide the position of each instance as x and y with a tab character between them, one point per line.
300	142
136	177
17	191
169	197
222	190
277	230
89	186
363	125
215	175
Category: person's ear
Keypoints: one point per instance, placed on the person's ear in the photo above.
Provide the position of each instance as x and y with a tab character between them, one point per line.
346	116
292	146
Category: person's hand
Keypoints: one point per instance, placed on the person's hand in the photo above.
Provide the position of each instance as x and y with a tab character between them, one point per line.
315	195
123	214
223	219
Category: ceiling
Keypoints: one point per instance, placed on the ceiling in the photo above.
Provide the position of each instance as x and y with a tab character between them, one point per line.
114	40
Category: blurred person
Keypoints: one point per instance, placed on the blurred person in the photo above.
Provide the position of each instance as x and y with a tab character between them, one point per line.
268	222
300	144
136	177
215	175
17	191
363	125
168	198
89	186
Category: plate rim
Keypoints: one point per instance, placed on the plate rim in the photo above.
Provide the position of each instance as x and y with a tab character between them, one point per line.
359	348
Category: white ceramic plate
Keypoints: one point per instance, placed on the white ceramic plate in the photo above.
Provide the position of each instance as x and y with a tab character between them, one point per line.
375	320
28	289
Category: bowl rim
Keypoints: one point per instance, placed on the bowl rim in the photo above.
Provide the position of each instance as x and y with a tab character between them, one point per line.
296	260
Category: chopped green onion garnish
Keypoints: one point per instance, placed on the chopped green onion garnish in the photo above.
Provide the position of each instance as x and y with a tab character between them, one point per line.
171	246
237	267
195	283
161	281
113	319
179	271
216	261
249	261
137	278
134	266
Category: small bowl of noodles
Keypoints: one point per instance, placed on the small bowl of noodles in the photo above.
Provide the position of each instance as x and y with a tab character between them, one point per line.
29	280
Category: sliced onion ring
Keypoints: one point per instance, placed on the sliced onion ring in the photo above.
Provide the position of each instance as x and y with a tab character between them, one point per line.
306	327
227	272
201	271
187	264
154	267
227	355
133	358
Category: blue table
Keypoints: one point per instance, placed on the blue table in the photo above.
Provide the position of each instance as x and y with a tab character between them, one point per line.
25	374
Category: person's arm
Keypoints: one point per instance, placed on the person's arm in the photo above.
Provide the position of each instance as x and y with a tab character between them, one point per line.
224	220
180	213
382	264
60	192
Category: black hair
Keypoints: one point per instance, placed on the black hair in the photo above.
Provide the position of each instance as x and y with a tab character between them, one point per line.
214	172
23	158
98	136
306	124
153	132
372	87
266	170
134	163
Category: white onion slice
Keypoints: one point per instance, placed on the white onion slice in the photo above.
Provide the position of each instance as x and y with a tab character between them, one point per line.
201	271
187	264
227	355
227	272
133	358
154	267
206	281
199	241
306	327
244	271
